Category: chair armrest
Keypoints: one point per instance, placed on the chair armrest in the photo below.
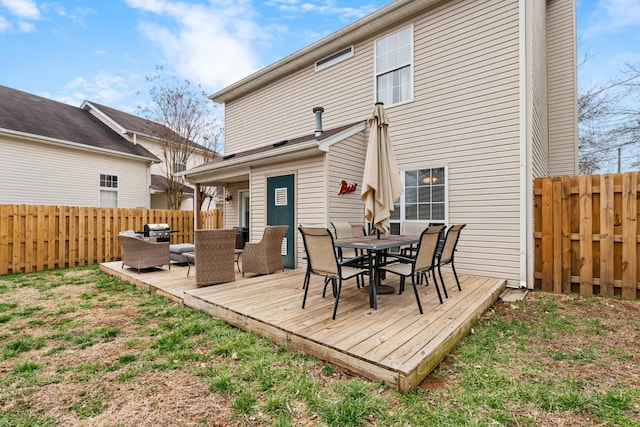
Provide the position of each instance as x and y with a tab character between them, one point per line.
400	258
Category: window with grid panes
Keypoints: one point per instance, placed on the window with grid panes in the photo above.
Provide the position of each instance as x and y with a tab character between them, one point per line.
394	58
108	191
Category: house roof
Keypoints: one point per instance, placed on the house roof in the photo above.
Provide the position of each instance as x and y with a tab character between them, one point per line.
235	166
125	121
380	20
28	115
129	123
160	184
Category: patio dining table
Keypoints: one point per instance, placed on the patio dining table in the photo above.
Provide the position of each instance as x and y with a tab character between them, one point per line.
376	246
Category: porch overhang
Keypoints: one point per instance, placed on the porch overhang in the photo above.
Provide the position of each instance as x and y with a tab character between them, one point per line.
237	167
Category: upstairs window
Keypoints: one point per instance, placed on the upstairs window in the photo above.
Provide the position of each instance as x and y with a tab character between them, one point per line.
394	67
108	191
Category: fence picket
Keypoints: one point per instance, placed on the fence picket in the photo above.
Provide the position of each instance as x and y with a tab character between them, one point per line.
38	237
588	224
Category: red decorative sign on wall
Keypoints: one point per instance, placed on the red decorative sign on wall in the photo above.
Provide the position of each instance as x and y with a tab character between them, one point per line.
347	188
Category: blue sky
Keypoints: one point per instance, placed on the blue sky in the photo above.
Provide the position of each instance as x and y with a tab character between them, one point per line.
101	50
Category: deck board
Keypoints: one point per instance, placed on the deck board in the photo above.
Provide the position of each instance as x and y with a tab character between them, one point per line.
394	343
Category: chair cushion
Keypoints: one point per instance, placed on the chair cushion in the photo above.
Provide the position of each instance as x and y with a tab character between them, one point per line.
176	251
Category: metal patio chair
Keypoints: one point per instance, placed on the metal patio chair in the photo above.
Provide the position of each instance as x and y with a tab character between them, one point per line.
323	261
423	261
448	252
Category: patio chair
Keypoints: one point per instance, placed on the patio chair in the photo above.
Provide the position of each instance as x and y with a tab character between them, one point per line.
323	261
139	253
412	228
343	230
215	256
424	261
446	255
265	257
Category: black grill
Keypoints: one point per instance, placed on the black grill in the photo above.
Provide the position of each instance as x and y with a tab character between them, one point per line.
162	232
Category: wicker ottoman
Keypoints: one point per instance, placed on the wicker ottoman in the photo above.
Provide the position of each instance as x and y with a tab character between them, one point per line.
176	251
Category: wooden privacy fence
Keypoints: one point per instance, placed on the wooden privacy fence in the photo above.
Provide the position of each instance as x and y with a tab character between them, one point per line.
586	234
39	237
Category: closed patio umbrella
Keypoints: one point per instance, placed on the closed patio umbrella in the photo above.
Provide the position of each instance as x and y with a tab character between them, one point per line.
381	184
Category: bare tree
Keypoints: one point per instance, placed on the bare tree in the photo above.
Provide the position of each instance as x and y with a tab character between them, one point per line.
189	128
608	120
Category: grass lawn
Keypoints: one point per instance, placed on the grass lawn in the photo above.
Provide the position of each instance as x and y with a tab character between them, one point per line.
78	347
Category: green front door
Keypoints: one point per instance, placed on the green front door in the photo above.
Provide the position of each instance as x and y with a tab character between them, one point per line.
281	211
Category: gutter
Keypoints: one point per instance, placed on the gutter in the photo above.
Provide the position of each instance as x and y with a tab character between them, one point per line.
386	17
76	145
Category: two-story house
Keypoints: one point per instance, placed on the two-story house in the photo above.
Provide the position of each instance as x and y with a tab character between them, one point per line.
481	97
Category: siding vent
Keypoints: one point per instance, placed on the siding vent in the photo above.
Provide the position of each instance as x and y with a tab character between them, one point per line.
335	58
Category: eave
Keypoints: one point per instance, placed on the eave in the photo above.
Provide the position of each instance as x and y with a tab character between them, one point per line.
367	26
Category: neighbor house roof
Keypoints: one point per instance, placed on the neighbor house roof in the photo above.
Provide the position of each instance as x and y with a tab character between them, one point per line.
30	116
376	22
160	184
132	124
126	122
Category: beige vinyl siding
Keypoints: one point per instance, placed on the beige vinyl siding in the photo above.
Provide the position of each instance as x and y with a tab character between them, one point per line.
284	109
466	117
231	209
48	174
537	61
346	162
561	51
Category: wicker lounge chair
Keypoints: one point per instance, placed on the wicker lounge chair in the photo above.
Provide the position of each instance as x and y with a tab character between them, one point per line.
140	253
265	257
215	256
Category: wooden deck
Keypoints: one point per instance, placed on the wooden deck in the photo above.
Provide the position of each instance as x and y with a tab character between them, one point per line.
394	343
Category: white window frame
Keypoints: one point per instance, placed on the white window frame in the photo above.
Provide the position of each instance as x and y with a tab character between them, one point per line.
335	58
409	63
107	189
402	205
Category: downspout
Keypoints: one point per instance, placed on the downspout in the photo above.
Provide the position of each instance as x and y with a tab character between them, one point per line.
525	208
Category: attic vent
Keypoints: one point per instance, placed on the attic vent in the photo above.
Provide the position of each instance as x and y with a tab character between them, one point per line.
335	58
281	143
230	156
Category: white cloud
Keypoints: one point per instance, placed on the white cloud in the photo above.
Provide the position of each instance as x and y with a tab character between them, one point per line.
329	7
208	43
22	8
4	24
104	89
613	15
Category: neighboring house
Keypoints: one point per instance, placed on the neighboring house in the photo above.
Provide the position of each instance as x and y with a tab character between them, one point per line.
149	134
481	97
56	154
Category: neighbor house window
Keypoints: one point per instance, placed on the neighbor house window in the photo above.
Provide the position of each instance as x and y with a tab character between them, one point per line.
108	191
424	198
394	75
